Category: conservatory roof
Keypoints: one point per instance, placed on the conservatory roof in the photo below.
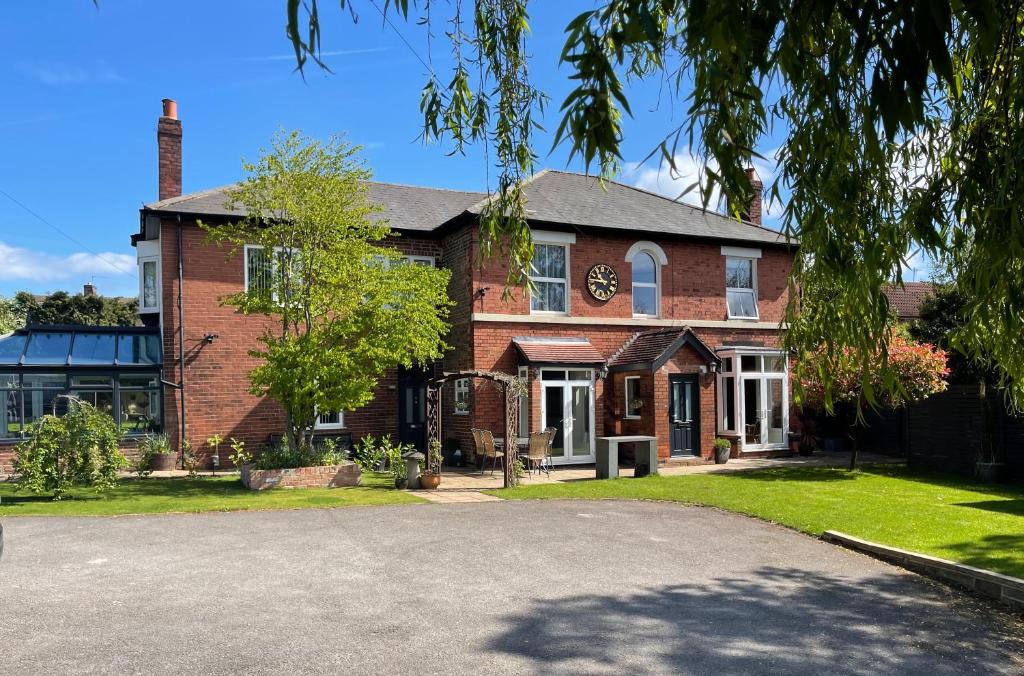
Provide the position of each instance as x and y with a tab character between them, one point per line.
81	346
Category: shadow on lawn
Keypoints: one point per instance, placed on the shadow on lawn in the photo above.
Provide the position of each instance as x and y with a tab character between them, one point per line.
810	474
779	620
992	552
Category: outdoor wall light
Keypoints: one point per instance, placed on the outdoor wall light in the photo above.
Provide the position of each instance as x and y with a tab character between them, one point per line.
210	337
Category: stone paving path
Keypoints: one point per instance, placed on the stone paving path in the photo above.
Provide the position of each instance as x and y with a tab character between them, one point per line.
465	485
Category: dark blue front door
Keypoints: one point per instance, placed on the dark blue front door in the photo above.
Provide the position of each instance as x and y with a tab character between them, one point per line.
683	415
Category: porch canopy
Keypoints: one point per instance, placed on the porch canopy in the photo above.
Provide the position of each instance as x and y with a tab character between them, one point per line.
540	350
116	369
650	350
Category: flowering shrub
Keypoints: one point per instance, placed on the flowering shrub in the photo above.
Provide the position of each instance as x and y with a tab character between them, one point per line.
920	370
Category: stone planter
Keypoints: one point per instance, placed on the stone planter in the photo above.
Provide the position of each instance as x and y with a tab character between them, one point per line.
722	454
328	476
163	462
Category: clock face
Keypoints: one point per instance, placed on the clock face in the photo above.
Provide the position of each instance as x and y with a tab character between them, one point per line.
602	281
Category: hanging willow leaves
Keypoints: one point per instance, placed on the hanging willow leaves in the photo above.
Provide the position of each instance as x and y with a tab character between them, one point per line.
902	125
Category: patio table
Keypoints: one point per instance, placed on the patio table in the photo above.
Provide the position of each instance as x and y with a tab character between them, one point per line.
608	455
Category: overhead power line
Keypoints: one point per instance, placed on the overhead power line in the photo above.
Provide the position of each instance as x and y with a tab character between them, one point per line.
66	235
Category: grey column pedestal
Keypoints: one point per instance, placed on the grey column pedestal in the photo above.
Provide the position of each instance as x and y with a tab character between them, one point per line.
646	458
607	459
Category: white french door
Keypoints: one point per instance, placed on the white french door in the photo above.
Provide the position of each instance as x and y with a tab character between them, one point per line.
764	411
567	404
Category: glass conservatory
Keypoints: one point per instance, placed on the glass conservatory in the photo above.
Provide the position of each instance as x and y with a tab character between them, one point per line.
116	369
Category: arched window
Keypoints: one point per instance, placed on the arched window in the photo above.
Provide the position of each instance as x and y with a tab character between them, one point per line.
646	259
645	286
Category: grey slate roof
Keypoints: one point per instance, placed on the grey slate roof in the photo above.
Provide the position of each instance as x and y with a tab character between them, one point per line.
406	207
555	197
576	199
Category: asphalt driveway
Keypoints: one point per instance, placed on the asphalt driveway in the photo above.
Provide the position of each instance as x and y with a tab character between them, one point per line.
509	587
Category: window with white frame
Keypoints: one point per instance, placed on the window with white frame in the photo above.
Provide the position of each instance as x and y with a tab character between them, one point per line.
645	285
741	286
259	269
549	274
149	291
646	260
634	403
462	396
330	421
427	261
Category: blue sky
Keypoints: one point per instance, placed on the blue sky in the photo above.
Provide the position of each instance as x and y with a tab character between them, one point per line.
82	95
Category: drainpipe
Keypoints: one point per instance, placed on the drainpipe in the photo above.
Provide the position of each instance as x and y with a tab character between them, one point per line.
181	344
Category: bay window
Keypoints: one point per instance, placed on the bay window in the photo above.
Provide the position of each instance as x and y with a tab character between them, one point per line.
753	397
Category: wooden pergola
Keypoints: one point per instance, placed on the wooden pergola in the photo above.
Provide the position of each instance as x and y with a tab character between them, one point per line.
511	388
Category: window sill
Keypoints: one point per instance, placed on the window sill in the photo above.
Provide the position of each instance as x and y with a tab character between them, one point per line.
460	412
548	313
632	417
743	319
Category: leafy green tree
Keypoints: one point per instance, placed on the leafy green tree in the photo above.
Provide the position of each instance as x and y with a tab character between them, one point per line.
64	308
342	305
903	128
12	315
79	448
921	368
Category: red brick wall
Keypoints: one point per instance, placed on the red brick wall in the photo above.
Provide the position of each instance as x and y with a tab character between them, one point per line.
493	350
692	287
217	373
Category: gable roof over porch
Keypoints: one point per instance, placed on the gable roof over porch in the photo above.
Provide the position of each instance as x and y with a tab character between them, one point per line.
650	350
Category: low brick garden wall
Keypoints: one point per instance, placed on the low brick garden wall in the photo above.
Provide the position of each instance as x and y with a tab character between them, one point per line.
328	476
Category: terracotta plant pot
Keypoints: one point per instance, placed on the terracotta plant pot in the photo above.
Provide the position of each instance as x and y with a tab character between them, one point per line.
430	481
162	462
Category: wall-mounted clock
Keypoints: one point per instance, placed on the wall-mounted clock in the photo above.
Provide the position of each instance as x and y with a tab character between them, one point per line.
602	281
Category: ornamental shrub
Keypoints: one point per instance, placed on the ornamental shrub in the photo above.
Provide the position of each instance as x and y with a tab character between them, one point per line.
80	448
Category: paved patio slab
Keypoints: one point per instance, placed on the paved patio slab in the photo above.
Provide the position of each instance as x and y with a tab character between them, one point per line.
495	588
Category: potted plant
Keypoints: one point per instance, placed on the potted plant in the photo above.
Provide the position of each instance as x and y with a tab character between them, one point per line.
431	477
158	448
723	449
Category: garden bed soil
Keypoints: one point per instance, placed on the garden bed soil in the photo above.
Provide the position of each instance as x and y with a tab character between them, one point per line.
328	476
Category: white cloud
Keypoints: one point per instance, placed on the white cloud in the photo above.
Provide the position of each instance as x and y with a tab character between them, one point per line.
59	74
672	182
19	264
323	55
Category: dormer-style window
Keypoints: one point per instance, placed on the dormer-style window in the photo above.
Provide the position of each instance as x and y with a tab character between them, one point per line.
646	259
741	282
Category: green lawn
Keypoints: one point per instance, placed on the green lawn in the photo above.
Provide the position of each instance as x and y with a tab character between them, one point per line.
941	515
203	494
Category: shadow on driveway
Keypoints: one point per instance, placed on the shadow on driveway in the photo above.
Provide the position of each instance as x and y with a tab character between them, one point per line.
817	624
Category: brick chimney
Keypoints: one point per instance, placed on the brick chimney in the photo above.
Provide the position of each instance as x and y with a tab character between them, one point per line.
168	141
752	213
89	289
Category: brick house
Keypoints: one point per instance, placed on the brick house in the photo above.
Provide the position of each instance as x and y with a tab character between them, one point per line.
650	316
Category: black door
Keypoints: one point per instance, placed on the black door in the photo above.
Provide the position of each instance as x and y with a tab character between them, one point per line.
412	409
683	415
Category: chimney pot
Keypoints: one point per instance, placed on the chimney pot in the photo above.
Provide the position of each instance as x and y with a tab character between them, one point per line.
168	141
